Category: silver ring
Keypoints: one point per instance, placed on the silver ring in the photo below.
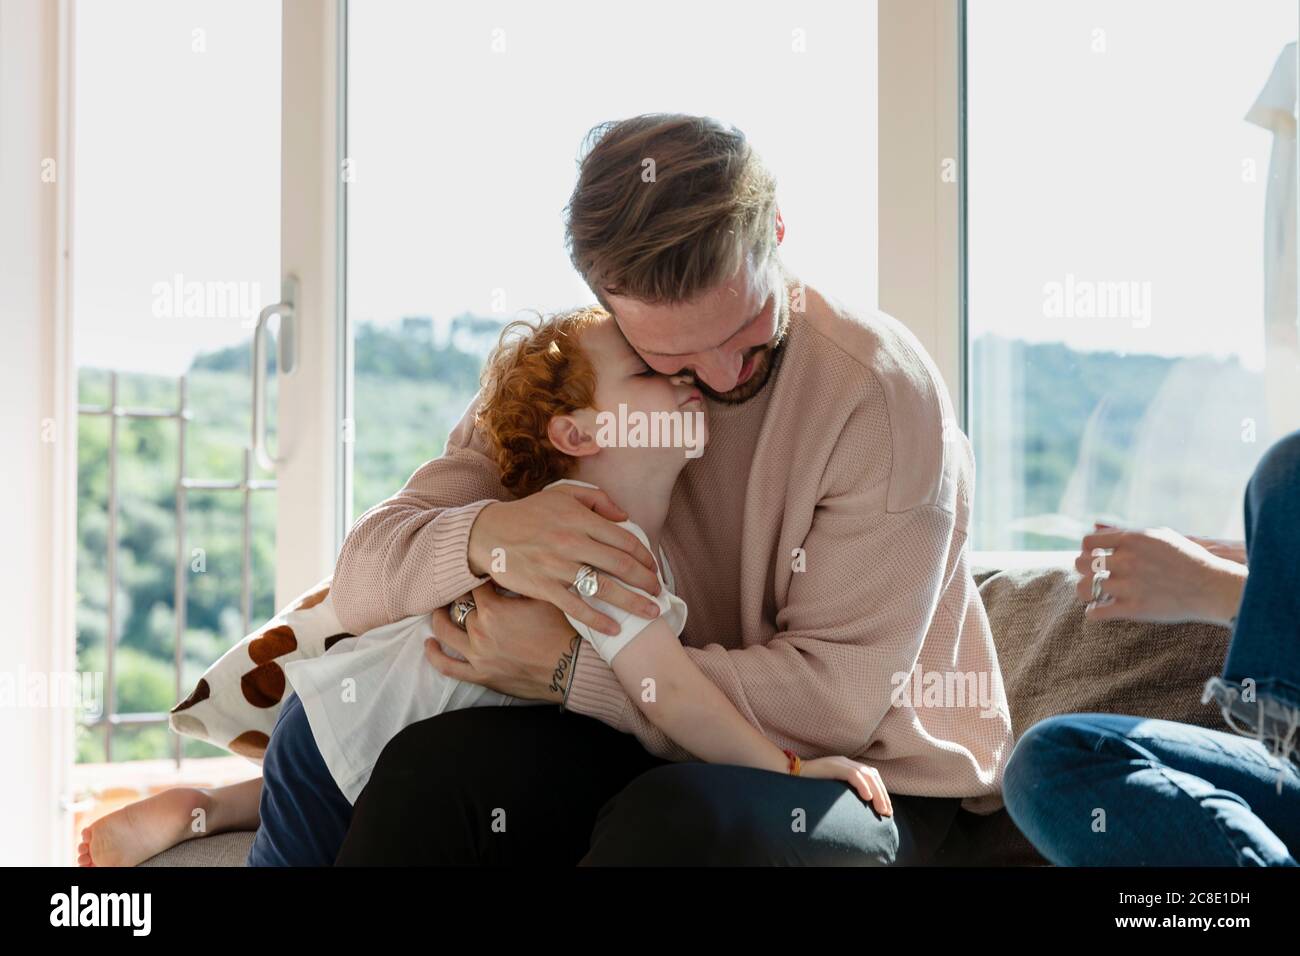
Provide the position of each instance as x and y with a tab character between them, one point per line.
586	581
1097	579
460	612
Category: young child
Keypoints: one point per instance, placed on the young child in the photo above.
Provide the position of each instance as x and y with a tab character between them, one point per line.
542	395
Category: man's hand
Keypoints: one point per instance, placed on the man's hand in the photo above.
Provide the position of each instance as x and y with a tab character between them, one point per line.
536	545
1157	574
518	646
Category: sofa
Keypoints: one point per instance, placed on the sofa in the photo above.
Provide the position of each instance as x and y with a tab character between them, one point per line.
1053	661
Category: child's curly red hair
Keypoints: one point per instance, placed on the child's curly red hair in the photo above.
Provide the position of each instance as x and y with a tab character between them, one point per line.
537	371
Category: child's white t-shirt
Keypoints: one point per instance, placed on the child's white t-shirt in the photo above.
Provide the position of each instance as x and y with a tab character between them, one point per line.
364	689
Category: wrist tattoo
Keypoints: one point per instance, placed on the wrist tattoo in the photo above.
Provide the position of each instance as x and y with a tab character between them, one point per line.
562	666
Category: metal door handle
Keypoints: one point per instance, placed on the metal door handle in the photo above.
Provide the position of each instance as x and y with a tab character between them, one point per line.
285	364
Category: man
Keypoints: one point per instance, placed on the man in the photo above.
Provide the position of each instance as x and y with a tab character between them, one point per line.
819	543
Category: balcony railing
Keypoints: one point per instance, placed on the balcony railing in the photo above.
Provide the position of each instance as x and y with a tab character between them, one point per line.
246	486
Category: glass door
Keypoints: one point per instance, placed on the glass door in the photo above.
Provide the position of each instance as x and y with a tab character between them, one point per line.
176	246
1131	262
204	144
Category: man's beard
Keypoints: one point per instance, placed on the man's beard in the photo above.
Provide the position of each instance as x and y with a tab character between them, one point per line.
769	356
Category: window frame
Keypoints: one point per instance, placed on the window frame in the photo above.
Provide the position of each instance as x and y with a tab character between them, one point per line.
315	401
922	223
922	267
932	33
36	100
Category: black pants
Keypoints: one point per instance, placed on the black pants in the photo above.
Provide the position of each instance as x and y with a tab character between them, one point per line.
534	785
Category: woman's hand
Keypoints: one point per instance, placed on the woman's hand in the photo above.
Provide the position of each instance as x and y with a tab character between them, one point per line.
1232	550
1219	547
865	780
536	545
1156	574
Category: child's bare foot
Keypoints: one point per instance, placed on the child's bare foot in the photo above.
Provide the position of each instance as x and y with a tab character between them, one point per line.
136	832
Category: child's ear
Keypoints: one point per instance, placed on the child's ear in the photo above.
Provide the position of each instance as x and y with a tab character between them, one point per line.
573	435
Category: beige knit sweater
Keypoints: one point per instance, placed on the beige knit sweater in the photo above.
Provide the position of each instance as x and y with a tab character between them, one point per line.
870	641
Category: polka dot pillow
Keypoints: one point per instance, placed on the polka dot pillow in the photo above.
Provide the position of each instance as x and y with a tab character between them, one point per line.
236	701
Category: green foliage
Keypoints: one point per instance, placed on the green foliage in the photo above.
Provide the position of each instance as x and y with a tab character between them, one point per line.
1058	432
409	393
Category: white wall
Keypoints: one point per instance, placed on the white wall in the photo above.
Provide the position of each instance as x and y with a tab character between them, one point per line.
37	418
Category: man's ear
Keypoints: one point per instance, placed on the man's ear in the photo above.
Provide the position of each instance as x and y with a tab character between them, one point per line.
573	435
780	226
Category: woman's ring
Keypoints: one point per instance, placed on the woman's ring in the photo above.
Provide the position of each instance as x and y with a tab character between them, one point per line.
460	612
586	581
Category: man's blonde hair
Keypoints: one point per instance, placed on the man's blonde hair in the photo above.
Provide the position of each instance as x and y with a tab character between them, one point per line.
670	237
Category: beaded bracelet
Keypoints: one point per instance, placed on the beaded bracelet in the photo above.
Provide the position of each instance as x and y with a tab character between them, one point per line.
795	762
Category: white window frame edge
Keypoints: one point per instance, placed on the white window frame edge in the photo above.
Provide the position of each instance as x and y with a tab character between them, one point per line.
38	389
922	257
63	560
314	475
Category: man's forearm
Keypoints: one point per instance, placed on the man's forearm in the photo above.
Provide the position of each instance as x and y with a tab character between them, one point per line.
408	554
478	554
399	560
563	671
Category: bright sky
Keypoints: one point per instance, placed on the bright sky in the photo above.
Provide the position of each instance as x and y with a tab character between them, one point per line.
1124	165
464	156
178	171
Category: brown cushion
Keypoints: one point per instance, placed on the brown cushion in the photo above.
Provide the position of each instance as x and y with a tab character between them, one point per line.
1054	661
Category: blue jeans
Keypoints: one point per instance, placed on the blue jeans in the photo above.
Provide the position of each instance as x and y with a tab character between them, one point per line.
304	814
1266	639
1108	789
